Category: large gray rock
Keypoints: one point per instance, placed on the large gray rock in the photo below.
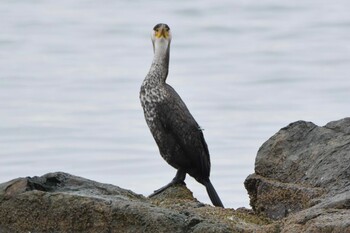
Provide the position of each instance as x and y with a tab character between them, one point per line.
304	169
59	202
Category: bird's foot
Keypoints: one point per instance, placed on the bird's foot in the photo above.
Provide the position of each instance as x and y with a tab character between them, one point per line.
173	182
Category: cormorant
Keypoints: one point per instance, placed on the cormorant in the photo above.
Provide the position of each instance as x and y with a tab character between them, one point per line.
179	138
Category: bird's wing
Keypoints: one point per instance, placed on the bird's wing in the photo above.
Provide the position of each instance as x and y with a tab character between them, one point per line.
178	121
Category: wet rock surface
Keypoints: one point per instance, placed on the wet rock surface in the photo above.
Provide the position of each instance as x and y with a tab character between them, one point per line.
300	184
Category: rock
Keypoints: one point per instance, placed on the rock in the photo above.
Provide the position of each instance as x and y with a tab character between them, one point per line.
60	202
301	184
303	173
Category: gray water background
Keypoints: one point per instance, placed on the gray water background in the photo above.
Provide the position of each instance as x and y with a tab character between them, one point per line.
70	73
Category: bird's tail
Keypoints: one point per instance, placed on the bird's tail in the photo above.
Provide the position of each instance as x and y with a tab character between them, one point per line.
214	197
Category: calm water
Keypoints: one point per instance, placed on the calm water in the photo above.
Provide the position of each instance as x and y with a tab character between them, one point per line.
70	73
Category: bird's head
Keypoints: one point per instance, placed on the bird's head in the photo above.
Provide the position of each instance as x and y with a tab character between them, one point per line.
161	37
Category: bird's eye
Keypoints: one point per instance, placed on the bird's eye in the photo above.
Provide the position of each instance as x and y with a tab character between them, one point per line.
156	28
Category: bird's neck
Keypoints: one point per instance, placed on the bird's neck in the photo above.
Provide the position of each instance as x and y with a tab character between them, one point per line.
162	54
160	64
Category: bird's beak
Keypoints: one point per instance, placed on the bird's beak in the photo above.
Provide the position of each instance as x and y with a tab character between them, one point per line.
162	32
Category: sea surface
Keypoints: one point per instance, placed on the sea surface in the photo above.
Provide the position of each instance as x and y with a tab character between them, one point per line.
70	74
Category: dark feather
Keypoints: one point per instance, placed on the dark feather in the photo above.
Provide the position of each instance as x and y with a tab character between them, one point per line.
184	132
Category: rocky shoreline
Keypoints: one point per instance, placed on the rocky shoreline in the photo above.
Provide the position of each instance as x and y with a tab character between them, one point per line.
301	184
